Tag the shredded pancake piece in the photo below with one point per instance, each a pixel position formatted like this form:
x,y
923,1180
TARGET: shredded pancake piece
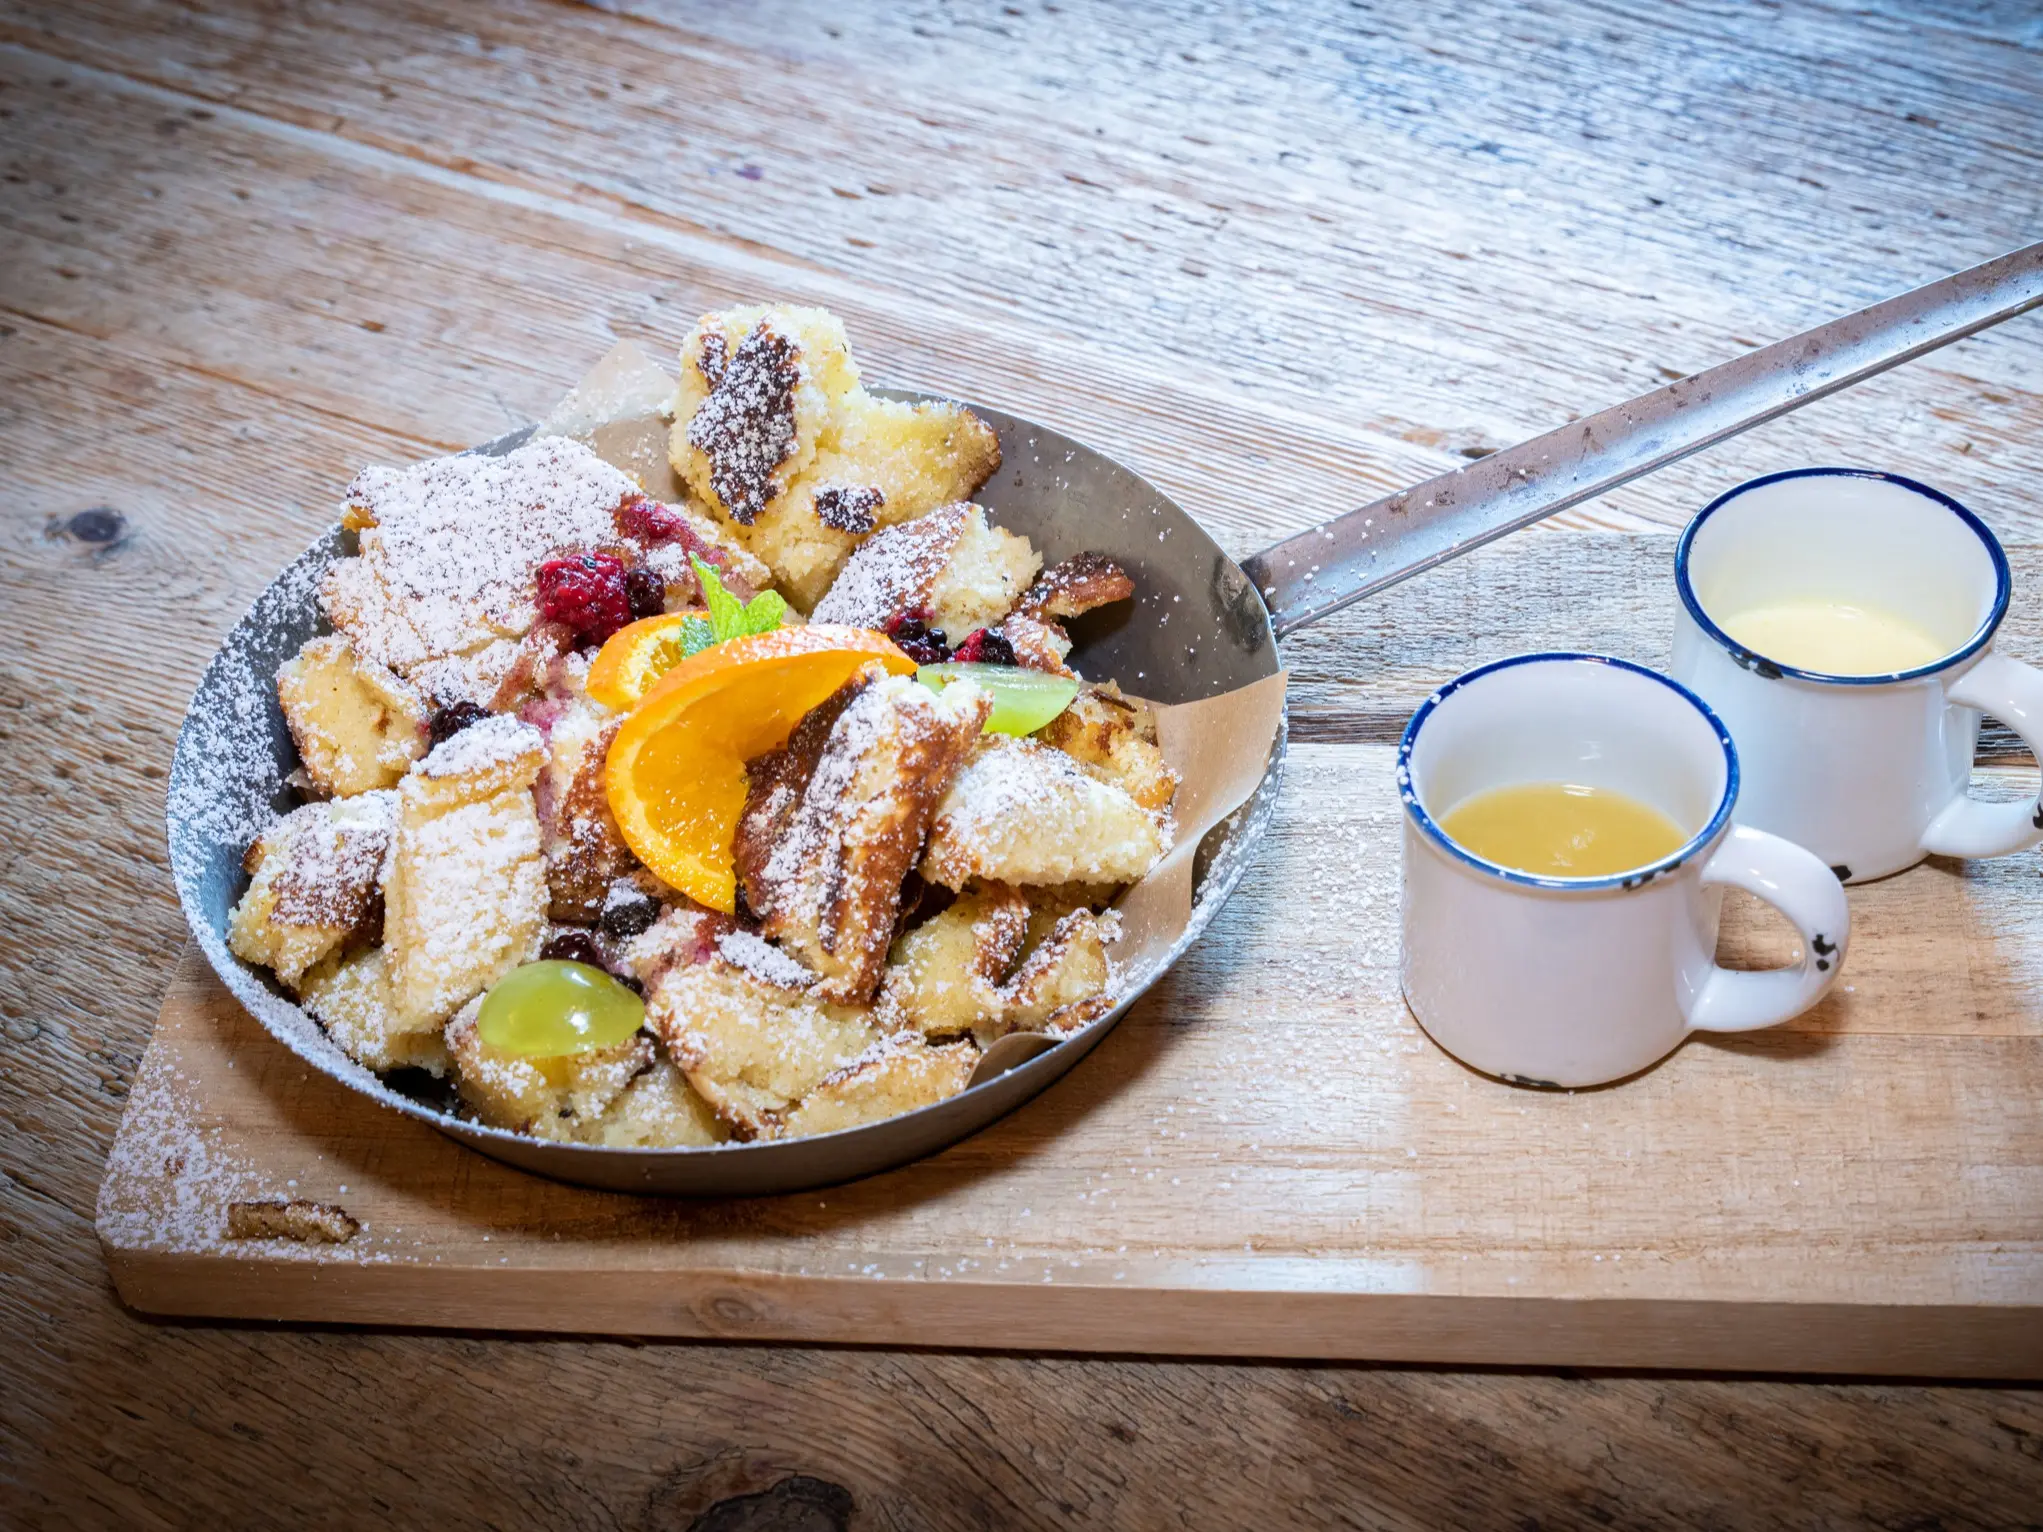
x,y
315,884
828,887
948,569
1021,812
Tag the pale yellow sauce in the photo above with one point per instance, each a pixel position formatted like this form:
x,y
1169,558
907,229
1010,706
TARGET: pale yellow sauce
x,y
1834,638
1562,829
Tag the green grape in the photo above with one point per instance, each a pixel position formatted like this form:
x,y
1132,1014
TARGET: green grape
x,y
1023,700
549,1009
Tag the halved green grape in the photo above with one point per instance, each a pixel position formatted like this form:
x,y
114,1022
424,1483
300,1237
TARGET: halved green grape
x,y
549,1009
1023,700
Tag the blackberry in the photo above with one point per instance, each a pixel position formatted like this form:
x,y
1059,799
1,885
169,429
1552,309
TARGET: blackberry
x,y
915,638
628,916
986,646
646,592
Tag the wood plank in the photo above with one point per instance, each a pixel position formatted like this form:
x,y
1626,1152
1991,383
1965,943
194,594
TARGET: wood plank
x,y
1456,236
1384,287
1267,1158
396,339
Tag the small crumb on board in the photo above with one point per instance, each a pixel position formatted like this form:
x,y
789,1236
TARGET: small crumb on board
x,y
311,1223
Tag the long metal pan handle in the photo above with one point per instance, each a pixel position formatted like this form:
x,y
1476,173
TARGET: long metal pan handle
x,y
1322,570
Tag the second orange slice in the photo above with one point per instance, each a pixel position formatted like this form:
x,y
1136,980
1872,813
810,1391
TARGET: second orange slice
x,y
676,771
635,657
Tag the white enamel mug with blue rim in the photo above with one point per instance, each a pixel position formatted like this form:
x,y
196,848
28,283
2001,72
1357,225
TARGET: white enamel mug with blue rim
x,y
1579,981
1872,773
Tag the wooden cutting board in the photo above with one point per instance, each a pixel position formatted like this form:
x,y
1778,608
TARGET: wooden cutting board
x,y
1267,1158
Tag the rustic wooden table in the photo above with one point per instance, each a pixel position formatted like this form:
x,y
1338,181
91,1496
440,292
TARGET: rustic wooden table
x,y
1275,259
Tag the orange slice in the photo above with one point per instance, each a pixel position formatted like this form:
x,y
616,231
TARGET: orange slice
x,y
636,656
676,771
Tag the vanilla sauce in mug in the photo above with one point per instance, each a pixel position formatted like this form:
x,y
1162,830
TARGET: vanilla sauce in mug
x,y
1834,638
1562,829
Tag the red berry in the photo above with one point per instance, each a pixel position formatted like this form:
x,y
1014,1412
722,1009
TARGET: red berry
x,y
985,646
585,593
646,520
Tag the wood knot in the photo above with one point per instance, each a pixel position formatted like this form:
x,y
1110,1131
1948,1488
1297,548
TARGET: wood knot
x,y
101,525
729,1311
796,1504
735,1491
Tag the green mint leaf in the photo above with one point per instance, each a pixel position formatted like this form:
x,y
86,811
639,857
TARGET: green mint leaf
x,y
764,611
696,636
726,612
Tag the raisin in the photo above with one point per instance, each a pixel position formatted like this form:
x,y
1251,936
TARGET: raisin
x,y
629,916
573,947
449,721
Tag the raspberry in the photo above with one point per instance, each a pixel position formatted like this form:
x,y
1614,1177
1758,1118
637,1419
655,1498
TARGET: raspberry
x,y
915,638
985,646
449,721
586,593
643,519
646,591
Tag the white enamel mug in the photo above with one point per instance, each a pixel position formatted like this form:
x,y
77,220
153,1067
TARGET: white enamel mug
x,y
1578,981
1872,773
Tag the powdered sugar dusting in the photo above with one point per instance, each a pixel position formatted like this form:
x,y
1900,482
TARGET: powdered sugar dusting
x,y
761,959
448,565
894,571
746,427
495,741
336,855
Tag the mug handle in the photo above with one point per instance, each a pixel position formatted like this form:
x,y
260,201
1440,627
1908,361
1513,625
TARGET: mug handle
x,y
2013,693
1797,884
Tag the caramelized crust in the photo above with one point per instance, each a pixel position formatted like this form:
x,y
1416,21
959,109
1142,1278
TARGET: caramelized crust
x,y
902,1075
948,569
584,852
776,783
957,973
316,884
943,978
1021,812
1076,586
828,887
1064,974
1114,739
777,436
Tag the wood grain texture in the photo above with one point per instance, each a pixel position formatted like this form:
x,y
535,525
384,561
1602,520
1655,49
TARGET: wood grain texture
x,y
1266,1158
1277,261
